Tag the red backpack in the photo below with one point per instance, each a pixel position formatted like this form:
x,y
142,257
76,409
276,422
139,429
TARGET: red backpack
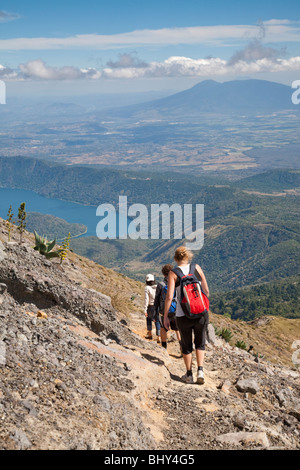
x,y
193,301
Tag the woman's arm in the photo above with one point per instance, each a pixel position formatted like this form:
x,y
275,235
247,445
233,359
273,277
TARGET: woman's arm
x,y
204,284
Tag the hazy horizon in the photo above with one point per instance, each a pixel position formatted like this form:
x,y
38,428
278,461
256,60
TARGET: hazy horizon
x,y
137,47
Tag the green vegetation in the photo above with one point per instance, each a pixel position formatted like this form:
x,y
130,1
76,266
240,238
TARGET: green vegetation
x,y
22,220
272,181
241,344
275,298
9,222
225,334
250,238
64,249
45,247
53,227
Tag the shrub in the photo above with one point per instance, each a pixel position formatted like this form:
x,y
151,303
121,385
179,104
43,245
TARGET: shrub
x,y
225,334
241,345
43,246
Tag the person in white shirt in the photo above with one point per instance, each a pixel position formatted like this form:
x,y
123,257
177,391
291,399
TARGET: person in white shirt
x,y
149,310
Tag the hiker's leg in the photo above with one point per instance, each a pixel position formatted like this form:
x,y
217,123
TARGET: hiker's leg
x,y
163,332
187,361
200,357
176,329
178,335
157,327
149,326
163,335
200,328
185,326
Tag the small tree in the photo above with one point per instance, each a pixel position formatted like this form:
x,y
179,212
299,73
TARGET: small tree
x,y
22,215
64,249
9,222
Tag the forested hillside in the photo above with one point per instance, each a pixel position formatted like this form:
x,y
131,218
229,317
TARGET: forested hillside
x,y
275,298
251,237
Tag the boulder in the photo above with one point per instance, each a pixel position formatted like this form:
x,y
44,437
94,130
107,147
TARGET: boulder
x,y
211,335
225,386
247,386
244,438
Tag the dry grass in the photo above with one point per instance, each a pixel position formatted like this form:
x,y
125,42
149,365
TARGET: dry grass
x,y
273,340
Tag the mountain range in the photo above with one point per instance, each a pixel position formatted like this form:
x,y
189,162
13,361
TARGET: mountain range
x,y
236,97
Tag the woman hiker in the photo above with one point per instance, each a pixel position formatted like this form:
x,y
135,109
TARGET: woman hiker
x,y
187,327
149,311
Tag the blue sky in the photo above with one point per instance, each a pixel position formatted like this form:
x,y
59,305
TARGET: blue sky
x,y
141,45
67,17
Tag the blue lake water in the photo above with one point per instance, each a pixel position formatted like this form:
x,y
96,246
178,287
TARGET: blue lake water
x,y
69,211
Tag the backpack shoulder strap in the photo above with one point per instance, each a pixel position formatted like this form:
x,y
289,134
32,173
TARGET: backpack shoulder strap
x,y
178,272
192,268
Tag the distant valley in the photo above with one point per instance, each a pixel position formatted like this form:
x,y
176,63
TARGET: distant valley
x,y
237,128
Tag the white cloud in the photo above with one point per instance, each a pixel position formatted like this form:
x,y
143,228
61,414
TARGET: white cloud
x,y
37,69
187,67
176,66
274,31
7,73
275,22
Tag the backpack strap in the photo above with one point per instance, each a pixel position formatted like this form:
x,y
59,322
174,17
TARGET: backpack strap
x,y
192,268
178,272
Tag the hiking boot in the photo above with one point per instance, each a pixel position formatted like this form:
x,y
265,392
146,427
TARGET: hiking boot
x,y
158,339
200,377
148,335
188,379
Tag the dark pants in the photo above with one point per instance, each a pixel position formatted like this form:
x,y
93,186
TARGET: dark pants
x,y
152,318
187,327
173,323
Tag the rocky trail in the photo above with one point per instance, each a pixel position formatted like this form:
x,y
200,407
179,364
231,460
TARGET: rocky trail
x,y
77,373
243,404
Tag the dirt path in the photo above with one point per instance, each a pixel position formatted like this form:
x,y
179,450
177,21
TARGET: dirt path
x,y
195,417
163,393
